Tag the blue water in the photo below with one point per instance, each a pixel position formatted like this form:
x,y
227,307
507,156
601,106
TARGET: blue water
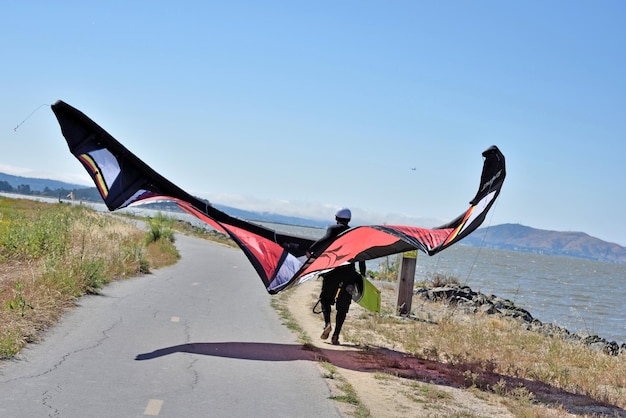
x,y
581,295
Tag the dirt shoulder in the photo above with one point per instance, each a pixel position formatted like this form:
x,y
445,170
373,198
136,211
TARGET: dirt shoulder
x,y
387,382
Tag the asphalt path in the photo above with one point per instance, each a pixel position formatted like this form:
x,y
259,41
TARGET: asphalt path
x,y
197,339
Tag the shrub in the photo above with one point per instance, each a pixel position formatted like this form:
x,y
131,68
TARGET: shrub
x,y
160,228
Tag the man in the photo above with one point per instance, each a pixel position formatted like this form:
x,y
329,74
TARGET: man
x,y
338,282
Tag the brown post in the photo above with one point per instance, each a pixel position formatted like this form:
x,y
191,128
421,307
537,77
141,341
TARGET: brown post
x,y
406,279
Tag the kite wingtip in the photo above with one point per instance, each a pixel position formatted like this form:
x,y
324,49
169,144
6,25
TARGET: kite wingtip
x,y
491,149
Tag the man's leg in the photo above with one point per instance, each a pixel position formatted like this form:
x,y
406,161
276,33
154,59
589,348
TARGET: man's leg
x,y
326,312
339,319
327,299
343,305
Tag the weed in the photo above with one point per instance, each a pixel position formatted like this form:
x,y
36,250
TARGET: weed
x,y
349,395
331,370
9,344
472,379
144,266
500,388
280,306
440,280
18,303
160,228
387,269
430,392
93,272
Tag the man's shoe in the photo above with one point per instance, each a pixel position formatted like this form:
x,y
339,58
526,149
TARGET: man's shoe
x,y
335,340
326,332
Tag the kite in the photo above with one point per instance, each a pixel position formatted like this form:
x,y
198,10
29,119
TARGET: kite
x,y
279,259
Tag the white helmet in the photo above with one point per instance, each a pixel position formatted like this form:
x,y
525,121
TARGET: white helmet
x,y
344,213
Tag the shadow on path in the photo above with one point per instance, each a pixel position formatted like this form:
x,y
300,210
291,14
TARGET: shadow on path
x,y
383,360
239,350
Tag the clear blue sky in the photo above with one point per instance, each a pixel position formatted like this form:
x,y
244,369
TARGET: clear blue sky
x,y
302,107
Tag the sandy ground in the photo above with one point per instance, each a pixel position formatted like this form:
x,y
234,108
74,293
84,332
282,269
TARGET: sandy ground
x,y
387,382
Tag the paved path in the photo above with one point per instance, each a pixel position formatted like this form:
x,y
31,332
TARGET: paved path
x,y
198,339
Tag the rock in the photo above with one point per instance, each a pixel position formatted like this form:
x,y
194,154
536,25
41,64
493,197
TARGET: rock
x,y
612,348
487,309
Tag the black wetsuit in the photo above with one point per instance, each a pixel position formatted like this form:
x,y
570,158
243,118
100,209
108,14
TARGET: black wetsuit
x,y
335,281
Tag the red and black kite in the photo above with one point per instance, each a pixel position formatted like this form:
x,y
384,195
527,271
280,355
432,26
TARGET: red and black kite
x,y
279,259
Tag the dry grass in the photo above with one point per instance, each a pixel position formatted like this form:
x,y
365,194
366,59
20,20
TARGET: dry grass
x,y
497,355
52,254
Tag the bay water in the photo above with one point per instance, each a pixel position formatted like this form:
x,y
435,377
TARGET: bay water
x,y
584,296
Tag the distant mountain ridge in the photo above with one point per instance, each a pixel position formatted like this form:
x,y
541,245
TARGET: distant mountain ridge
x,y
516,237
513,237
272,217
38,184
248,215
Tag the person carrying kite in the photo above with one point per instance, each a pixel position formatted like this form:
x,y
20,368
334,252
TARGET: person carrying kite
x,y
338,283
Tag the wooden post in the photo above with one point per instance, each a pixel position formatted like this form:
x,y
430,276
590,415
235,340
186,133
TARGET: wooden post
x,y
406,279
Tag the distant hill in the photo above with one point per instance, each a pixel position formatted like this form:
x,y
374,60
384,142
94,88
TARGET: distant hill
x,y
247,215
36,184
512,237
517,237
271,217
47,188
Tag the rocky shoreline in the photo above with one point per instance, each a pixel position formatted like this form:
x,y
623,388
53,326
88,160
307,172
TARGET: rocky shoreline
x,y
476,302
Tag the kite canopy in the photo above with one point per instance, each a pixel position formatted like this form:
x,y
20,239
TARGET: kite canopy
x,y
279,259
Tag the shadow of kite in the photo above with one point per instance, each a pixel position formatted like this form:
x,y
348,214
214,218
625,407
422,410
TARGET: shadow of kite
x,y
237,350
396,363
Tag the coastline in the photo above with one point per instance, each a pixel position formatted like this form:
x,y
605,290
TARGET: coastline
x,y
473,302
